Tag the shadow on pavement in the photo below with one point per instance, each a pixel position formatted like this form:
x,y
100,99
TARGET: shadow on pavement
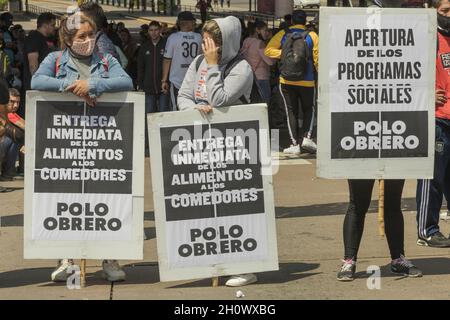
x,y
331,209
140,273
288,272
26,277
318,210
11,189
148,273
149,216
12,221
41,278
150,233
429,267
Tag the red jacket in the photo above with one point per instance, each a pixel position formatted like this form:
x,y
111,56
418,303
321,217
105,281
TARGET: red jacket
x,y
443,74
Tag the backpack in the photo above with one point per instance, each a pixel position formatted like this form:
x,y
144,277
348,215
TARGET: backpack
x,y
255,96
295,56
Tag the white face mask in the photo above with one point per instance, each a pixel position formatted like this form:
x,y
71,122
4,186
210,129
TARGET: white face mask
x,y
84,48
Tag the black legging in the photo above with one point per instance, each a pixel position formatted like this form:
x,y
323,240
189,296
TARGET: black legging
x,y
360,197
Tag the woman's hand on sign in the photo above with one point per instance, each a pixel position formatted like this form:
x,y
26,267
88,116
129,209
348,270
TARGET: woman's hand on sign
x,y
22,150
79,88
204,109
210,51
441,97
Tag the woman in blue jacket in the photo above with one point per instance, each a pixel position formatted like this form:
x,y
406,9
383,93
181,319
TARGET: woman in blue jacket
x,y
87,74
78,68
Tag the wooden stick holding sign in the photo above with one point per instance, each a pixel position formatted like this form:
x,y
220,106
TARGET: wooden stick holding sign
x,y
381,208
83,273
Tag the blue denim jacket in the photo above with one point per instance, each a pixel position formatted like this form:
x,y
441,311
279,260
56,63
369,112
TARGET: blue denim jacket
x,y
107,74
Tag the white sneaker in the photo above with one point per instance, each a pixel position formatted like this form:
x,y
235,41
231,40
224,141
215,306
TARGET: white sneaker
x,y
292,149
112,271
241,280
60,274
309,145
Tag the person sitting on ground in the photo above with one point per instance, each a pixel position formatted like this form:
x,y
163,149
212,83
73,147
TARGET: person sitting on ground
x,y
9,147
15,119
13,106
86,73
5,141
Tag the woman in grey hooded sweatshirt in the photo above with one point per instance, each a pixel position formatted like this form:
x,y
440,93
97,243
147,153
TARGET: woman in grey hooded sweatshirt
x,y
204,86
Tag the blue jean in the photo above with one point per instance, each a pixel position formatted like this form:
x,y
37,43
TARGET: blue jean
x,y
264,90
156,103
430,192
9,150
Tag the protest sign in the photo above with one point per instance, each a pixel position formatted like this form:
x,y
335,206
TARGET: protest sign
x,y
376,93
84,176
213,196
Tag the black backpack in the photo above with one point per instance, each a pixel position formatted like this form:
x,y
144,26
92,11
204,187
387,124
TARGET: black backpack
x,y
295,56
255,96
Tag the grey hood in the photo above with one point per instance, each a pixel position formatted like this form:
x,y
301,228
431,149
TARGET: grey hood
x,y
230,28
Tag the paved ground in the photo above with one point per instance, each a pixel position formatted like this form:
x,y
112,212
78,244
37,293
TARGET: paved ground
x,y
309,214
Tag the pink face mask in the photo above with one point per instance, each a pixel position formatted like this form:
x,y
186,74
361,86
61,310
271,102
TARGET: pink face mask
x,y
84,48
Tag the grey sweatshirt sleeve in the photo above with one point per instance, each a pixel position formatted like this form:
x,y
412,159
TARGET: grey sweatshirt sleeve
x,y
227,92
186,95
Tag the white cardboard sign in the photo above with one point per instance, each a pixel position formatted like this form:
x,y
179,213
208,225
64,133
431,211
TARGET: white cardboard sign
x,y
212,190
376,93
84,186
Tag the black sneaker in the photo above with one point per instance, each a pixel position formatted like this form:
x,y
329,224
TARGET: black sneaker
x,y
347,272
436,240
404,267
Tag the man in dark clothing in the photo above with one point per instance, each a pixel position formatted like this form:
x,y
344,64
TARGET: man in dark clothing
x,y
150,61
430,192
36,48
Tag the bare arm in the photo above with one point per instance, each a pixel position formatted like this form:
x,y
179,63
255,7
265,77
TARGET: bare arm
x,y
166,69
33,62
165,75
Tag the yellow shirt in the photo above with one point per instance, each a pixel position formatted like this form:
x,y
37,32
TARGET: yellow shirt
x,y
273,50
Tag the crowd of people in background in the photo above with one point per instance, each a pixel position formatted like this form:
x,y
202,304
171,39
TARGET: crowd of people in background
x,y
156,58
